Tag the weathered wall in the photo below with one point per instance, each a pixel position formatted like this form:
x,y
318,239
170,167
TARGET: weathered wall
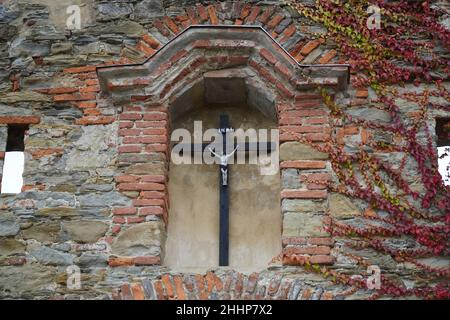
x,y
86,176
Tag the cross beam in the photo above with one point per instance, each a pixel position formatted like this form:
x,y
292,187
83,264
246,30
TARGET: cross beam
x,y
225,129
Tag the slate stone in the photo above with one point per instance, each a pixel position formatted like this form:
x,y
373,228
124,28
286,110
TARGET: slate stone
x,y
92,260
10,247
28,48
148,9
298,224
342,206
48,256
9,224
43,232
300,151
144,239
112,11
108,199
85,231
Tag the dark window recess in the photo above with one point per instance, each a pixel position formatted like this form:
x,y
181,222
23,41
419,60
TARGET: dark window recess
x,y
443,132
16,137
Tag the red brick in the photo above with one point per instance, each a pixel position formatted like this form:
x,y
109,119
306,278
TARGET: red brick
x,y
87,75
289,31
320,120
245,11
311,250
239,285
305,113
318,137
120,261
285,91
140,98
303,164
135,219
74,97
321,241
266,14
159,290
19,119
178,281
152,210
161,28
86,104
80,69
148,202
152,195
129,149
129,132
212,15
155,131
321,259
124,210
171,25
327,56
152,42
285,71
90,89
130,116
202,12
153,178
253,15
156,147
94,120
177,56
303,194
286,120
274,285
297,128
115,229
168,285
200,283
92,82
310,46
294,241
307,104
40,153
275,21
155,116
192,15
311,177
266,54
119,220
91,112
151,124
137,291
362,93
146,260
146,49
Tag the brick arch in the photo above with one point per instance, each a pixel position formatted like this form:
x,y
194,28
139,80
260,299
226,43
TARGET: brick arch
x,y
143,92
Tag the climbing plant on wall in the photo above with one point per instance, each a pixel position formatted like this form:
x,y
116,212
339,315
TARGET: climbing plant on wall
x,y
401,52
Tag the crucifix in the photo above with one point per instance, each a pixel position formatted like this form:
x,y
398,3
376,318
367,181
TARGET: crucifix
x,y
224,176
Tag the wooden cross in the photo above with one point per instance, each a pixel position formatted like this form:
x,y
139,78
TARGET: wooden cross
x,y
224,176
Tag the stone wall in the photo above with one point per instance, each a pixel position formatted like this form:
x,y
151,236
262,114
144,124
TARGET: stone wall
x,y
98,101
